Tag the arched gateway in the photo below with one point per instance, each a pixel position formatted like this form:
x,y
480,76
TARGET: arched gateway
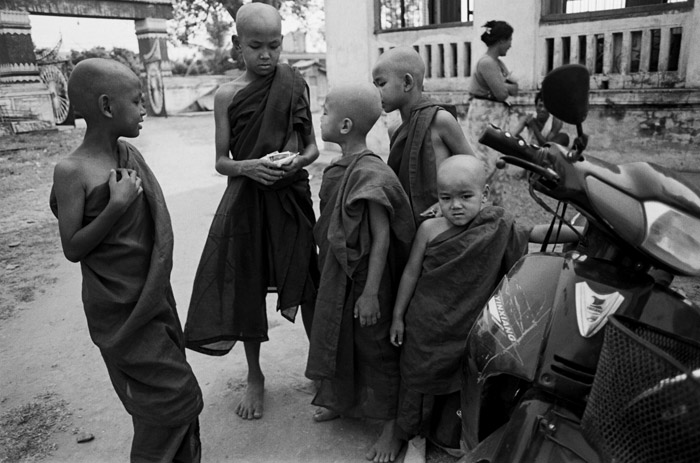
x,y
25,100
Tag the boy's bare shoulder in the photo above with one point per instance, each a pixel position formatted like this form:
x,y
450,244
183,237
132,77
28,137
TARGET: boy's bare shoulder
x,y
228,90
445,122
69,166
430,228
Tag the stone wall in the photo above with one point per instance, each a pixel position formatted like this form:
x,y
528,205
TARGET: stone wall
x,y
182,93
622,126
25,107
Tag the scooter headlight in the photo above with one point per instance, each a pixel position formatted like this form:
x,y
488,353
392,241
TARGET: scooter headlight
x,y
673,237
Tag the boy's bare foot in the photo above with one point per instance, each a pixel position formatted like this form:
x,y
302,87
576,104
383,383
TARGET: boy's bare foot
x,y
388,446
324,414
415,450
251,405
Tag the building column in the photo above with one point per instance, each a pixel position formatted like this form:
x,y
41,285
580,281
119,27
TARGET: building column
x,y
17,59
152,35
692,72
25,102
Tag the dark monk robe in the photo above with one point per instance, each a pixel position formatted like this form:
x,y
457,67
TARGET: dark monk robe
x,y
461,268
412,157
261,236
131,312
358,367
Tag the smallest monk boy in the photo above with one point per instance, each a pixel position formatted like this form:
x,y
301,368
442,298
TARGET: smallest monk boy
x,y
364,233
112,218
455,263
428,134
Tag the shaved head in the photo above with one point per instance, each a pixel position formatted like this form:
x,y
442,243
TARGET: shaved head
x,y
258,17
94,77
462,167
358,102
403,60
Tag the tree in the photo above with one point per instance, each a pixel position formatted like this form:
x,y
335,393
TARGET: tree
x,y
191,15
124,56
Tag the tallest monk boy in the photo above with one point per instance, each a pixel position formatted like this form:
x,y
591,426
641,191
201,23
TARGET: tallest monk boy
x,y
261,238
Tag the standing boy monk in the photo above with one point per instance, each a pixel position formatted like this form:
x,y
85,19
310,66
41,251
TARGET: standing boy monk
x,y
455,263
113,220
364,233
261,238
427,135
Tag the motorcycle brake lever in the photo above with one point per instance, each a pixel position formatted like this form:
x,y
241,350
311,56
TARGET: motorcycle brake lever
x,y
545,172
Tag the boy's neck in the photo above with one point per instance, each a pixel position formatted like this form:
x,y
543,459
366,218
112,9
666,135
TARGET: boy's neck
x,y
99,141
411,101
250,76
352,145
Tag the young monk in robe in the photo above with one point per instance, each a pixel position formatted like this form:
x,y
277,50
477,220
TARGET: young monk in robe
x,y
112,219
428,134
455,263
364,234
261,238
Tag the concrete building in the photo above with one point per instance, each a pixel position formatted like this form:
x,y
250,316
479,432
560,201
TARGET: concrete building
x,y
644,55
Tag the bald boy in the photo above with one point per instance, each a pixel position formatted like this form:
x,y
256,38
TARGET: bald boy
x,y
455,263
363,233
112,218
261,238
427,135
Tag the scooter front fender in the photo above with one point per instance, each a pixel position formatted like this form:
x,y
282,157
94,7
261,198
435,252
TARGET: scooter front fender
x,y
540,430
507,338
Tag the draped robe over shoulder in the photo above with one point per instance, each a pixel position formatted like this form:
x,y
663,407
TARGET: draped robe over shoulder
x,y
412,157
130,307
461,268
357,366
261,236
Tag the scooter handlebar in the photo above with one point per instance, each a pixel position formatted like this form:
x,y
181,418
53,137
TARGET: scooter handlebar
x,y
518,152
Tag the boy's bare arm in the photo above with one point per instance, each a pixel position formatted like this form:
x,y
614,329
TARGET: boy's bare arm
x,y
522,123
409,279
306,157
566,234
261,170
367,305
451,137
78,241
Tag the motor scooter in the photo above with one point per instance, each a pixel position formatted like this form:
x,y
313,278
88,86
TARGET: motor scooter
x,y
588,355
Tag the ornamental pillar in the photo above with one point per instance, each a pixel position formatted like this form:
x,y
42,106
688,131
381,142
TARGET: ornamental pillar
x,y
17,59
25,102
152,35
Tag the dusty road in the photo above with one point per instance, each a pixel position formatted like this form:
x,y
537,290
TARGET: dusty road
x,y
46,347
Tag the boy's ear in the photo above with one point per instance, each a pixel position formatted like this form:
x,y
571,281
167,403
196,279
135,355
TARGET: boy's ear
x,y
485,194
346,126
408,82
104,105
236,42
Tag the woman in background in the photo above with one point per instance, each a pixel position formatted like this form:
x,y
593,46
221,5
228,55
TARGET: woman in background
x,y
489,89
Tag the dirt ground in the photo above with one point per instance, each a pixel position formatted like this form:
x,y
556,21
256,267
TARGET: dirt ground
x,y
54,390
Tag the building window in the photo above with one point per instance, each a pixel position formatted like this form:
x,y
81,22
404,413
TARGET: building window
x,y
401,14
582,46
585,6
655,49
565,50
635,51
674,51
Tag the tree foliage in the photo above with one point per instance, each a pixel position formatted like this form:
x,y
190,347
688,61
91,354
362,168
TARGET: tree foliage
x,y
123,55
191,15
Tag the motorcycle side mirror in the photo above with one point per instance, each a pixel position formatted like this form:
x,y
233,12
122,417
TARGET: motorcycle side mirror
x,y
565,93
